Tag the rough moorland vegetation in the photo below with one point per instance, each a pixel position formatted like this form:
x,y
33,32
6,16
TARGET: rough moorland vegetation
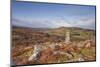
x,y
42,46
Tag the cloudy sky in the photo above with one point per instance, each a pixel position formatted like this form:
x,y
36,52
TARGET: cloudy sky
x,y
45,15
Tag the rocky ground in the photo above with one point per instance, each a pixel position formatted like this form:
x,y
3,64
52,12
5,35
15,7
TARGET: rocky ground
x,y
32,46
56,53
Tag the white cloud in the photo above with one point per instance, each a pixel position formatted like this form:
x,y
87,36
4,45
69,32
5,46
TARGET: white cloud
x,y
86,23
50,23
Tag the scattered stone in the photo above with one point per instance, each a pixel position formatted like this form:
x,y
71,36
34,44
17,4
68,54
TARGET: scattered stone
x,y
36,54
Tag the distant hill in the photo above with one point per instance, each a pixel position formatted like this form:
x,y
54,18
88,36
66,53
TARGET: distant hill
x,y
60,28
75,32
